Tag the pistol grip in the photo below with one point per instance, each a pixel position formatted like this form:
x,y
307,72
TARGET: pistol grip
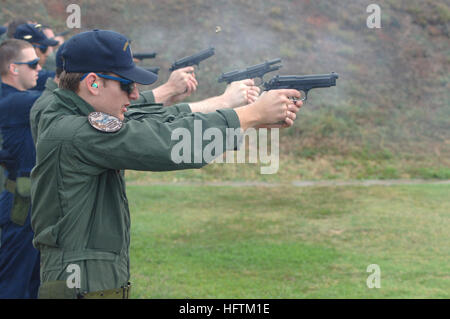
x,y
260,82
303,96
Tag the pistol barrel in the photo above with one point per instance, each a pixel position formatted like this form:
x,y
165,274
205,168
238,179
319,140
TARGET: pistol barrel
x,y
254,71
302,83
142,56
194,59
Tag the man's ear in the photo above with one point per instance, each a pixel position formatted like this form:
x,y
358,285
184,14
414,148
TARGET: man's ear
x,y
13,69
91,82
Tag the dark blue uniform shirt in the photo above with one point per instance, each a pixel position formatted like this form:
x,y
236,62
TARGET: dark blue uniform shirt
x,y
15,109
19,260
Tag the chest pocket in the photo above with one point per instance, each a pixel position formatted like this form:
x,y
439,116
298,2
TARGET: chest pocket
x,y
22,200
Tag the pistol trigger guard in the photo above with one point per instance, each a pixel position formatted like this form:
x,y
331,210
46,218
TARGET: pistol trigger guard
x,y
304,96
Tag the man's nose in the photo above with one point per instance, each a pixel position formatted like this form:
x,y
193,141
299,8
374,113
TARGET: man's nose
x,y
134,95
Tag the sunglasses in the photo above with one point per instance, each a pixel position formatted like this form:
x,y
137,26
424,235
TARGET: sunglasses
x,y
125,85
32,64
43,48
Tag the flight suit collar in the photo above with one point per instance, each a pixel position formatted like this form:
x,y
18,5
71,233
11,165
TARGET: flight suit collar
x,y
73,102
51,85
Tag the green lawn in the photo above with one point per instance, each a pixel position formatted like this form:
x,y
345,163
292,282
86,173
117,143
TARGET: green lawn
x,y
292,168
287,242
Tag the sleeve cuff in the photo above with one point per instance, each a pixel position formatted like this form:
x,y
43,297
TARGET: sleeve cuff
x,y
181,108
233,122
147,96
231,117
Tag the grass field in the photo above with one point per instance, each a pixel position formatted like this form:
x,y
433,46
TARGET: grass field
x,y
287,242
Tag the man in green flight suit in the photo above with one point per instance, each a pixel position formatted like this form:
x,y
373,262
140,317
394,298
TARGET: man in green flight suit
x,y
80,210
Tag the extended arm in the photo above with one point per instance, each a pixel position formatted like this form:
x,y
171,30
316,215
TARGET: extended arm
x,y
237,94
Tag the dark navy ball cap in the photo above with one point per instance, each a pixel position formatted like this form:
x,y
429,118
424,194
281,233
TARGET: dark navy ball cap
x,y
58,56
103,51
3,29
33,33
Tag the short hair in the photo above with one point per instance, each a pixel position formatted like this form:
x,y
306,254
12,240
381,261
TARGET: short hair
x,y
59,71
70,81
10,51
12,26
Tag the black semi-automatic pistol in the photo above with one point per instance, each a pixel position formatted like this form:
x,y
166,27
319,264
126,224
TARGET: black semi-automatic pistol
x,y
142,56
255,71
194,59
302,83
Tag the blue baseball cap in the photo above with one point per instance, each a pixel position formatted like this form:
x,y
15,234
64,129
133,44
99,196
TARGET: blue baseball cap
x,y
103,51
58,56
33,33
3,29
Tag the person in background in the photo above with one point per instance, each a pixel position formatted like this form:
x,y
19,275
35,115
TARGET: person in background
x,y
49,33
4,155
13,24
3,30
33,34
19,260
50,64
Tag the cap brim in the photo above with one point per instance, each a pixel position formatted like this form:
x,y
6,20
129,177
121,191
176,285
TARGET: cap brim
x,y
138,75
49,42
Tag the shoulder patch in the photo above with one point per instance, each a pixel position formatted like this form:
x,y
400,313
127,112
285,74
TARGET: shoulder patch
x,y
104,122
